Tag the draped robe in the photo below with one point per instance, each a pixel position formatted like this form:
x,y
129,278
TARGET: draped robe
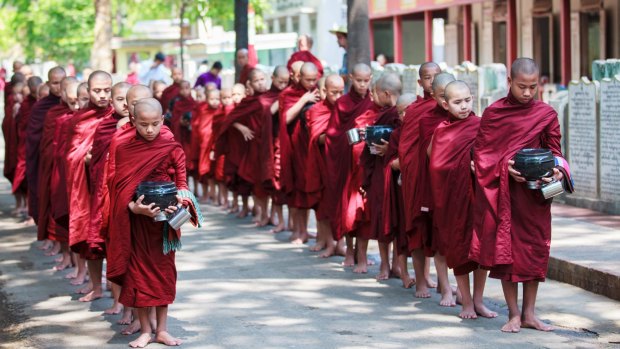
x,y
318,117
202,133
393,206
452,187
305,56
21,123
512,224
182,133
169,93
8,131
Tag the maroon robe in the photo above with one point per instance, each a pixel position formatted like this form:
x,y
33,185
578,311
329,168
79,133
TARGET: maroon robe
x,y
58,186
8,131
84,125
34,131
452,187
181,132
244,75
374,179
21,123
512,224
408,155
305,56
393,205
338,155
202,133
318,117
169,93
47,227
294,144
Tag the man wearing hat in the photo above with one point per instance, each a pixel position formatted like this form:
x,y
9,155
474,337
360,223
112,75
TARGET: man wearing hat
x,y
157,71
341,36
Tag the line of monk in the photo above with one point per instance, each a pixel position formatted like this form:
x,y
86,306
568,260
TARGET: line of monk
x,y
441,187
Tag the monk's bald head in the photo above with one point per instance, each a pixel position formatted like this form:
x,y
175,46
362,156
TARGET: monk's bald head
x,y
83,96
308,68
100,88
257,81
456,88
439,86
334,88
309,76
148,118
33,84
391,83
429,68
120,88
70,93
43,91
54,77
458,100
58,70
360,78
524,66
403,102
280,77
427,73
296,71
242,57
361,68
99,76
176,74
213,98
135,94
148,105
18,77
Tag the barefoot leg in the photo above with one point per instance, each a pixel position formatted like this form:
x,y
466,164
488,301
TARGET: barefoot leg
x,y
278,213
408,282
468,311
66,257
529,318
442,274
301,226
54,250
384,268
421,287
362,257
349,256
134,326
117,307
427,273
321,238
511,294
95,270
46,245
330,244
145,330
480,278
81,270
162,336
127,316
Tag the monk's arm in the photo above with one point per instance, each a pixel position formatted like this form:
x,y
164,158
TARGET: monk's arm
x,y
322,139
275,107
293,112
430,147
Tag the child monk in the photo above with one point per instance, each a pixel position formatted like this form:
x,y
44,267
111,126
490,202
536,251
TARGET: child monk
x,y
172,91
450,162
512,224
219,160
225,146
207,112
181,108
338,152
150,275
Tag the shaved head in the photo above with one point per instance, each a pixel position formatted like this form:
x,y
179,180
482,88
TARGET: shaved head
x,y
296,71
390,82
431,67
254,73
148,105
99,75
148,118
58,70
361,68
523,66
33,84
54,77
442,79
70,93
308,68
405,100
135,94
454,87
333,80
120,86
280,71
334,88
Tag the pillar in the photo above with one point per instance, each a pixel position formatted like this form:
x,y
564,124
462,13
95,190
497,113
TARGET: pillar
x,y
467,33
397,24
565,44
511,33
428,35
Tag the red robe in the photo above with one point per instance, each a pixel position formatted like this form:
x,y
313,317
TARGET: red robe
x,y
452,187
21,123
294,144
305,56
168,95
8,127
58,186
135,250
202,131
96,170
318,117
34,131
182,133
374,168
274,188
512,224
47,227
84,125
338,152
244,75
393,205
408,155
216,145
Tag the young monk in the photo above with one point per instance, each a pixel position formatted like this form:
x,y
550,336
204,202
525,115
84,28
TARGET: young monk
x,y
182,107
279,81
158,88
79,156
387,90
8,125
99,152
172,91
393,207
34,131
318,117
338,152
450,162
43,91
512,224
150,275
219,160
408,156
202,132
83,96
294,142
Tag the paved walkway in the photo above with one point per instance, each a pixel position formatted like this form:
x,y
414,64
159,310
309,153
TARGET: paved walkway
x,y
242,287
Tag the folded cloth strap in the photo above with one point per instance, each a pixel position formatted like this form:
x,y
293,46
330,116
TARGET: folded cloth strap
x,y
564,167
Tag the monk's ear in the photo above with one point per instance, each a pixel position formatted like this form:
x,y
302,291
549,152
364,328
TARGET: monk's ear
x,y
509,81
444,104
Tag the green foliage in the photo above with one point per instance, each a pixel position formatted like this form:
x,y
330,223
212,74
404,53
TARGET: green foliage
x,y
59,30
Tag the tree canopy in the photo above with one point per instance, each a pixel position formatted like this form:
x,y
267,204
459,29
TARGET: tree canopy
x,y
62,30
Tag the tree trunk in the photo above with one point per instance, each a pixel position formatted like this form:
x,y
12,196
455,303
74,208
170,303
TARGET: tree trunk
x,y
358,37
101,55
181,38
241,30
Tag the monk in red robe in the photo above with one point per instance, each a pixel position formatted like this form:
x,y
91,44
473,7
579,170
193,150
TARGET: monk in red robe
x,y
34,131
205,112
408,156
304,45
217,164
83,96
512,223
393,207
338,152
13,89
182,107
294,143
43,91
158,88
47,227
243,63
386,92
79,155
20,187
149,275
450,162
172,91
318,117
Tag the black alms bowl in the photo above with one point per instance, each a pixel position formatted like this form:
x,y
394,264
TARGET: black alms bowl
x,y
163,194
374,134
534,164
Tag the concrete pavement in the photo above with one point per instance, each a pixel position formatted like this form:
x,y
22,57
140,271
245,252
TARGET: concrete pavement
x,y
242,287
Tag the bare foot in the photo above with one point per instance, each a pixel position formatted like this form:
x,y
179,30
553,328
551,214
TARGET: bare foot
x,y
59,259
71,275
132,328
91,296
293,237
468,313
513,325
384,272
78,281
361,268
349,259
64,264
279,228
341,250
318,246
54,251
408,283
46,245
126,318
483,311
329,251
535,323
422,292
165,338
84,290
430,283
298,241
116,308
142,341
242,214
447,300
263,222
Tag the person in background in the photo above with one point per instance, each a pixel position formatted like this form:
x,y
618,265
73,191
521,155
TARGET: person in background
x,y
212,75
157,71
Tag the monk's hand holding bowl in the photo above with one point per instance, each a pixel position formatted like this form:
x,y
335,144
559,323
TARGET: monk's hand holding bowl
x,y
381,149
137,207
516,175
557,176
172,209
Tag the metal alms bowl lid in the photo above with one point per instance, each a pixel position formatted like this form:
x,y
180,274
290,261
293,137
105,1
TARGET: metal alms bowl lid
x,y
157,188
